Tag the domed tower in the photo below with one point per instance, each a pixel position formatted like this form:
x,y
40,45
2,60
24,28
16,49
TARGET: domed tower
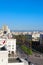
x,y
5,29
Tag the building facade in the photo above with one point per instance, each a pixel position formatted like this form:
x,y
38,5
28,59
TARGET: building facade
x,y
41,38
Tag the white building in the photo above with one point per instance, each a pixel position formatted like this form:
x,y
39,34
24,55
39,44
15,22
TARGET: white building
x,y
35,36
11,45
4,57
7,46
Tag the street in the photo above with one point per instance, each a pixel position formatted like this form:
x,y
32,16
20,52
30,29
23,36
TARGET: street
x,y
35,58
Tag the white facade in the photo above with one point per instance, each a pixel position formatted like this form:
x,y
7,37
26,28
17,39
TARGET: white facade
x,y
11,45
35,36
3,57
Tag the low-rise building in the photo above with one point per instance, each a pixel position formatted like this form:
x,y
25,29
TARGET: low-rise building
x,y
35,36
41,38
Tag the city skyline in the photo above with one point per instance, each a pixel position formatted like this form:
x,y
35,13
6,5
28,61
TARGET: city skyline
x,y
22,15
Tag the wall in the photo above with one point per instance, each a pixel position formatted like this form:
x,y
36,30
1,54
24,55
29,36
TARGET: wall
x,y
3,57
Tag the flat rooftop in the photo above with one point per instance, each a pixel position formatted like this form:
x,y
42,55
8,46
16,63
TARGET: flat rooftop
x,y
14,60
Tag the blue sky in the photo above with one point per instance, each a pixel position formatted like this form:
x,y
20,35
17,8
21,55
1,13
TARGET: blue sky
x,y
22,14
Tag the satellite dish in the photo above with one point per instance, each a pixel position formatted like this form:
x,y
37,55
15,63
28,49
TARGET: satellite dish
x,y
2,42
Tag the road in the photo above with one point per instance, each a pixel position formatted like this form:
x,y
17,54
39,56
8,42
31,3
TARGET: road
x,y
35,58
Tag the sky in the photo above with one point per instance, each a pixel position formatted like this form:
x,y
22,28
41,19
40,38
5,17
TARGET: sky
x,y
22,14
